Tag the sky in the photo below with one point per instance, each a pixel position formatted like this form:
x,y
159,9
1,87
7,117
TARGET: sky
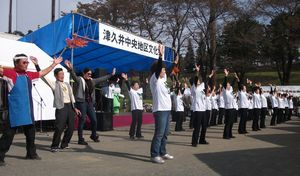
x,y
28,14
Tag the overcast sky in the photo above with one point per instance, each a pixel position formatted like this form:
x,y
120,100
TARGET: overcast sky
x,y
28,14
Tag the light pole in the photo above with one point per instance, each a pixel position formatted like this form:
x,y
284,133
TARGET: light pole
x,y
10,17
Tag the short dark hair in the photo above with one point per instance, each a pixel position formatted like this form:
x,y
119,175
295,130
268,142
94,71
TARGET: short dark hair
x,y
57,70
19,55
86,70
133,83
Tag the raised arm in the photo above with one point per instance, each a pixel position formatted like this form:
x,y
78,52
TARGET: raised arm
x,y
126,80
56,61
104,78
70,69
226,72
159,63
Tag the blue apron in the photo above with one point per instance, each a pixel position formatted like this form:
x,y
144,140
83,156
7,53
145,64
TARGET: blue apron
x,y
20,102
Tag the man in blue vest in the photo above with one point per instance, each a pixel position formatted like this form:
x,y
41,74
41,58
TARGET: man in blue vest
x,y
20,104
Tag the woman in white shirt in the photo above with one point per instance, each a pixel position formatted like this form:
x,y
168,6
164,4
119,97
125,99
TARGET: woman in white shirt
x,y
161,100
199,107
264,109
256,108
291,107
221,104
136,99
179,108
281,107
274,103
229,106
214,100
243,104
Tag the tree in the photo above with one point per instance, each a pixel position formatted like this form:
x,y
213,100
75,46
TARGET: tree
x,y
282,37
189,59
241,42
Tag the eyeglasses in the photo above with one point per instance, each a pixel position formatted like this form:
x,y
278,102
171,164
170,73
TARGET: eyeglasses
x,y
90,74
25,62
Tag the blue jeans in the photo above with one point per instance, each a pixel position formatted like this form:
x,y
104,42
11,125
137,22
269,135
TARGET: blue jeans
x,y
86,109
159,141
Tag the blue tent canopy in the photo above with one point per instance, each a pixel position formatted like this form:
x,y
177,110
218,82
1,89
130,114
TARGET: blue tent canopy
x,y
52,39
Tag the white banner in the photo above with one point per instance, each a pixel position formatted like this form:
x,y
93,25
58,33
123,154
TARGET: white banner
x,y
293,90
116,38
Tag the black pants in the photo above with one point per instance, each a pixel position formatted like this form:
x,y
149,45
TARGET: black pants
x,y
179,119
250,114
200,122
191,125
229,119
274,116
213,120
8,136
290,114
256,114
243,120
263,114
208,114
64,120
136,123
286,114
221,115
280,115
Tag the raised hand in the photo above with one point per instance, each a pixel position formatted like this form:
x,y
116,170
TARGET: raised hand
x,y
212,73
34,60
147,81
124,76
58,60
113,71
68,64
197,67
226,72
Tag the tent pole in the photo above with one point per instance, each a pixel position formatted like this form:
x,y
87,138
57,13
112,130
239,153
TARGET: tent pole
x,y
72,49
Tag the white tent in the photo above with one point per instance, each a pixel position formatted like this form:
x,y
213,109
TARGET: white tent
x,y
8,49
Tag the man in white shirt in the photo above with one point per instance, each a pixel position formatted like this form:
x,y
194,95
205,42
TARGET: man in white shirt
x,y
243,104
274,103
264,109
257,108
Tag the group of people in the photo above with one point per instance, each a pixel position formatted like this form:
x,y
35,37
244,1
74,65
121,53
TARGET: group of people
x,y
208,104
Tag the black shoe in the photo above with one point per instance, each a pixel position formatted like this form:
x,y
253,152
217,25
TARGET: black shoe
x,y
226,138
182,129
203,142
82,142
95,139
194,145
54,149
254,129
232,136
258,129
132,138
2,163
33,157
140,137
64,146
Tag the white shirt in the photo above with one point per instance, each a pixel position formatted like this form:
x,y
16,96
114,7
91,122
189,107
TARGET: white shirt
x,y
109,91
250,103
286,103
243,99
221,101
274,101
136,99
228,98
179,104
235,104
160,94
264,102
187,92
256,101
199,97
208,103
281,104
214,102
291,104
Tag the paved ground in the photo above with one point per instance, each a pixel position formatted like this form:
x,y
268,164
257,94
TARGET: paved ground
x,y
272,151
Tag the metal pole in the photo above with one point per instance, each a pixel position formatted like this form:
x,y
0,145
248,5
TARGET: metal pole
x,y
10,17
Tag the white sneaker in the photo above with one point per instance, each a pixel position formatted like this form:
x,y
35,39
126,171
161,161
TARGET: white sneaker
x,y
168,157
158,160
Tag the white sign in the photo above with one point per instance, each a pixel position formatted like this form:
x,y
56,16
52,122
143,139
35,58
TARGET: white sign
x,y
116,38
293,90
